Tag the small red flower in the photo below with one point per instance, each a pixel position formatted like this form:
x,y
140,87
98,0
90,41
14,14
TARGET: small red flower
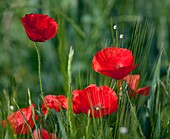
x,y
99,101
133,81
144,90
54,102
39,27
76,101
114,62
18,119
43,134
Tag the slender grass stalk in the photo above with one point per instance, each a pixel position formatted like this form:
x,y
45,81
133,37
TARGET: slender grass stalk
x,y
73,24
69,72
154,100
8,132
33,110
119,92
168,77
101,127
62,129
95,127
39,68
117,38
155,81
88,125
14,90
62,51
122,112
112,28
158,124
135,116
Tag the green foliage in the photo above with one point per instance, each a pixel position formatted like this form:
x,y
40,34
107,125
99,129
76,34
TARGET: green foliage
x,y
87,26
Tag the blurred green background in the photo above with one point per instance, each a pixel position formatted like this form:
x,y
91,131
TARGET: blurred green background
x,y
87,25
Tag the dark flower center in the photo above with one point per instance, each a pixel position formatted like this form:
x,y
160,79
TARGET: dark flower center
x,y
98,107
116,67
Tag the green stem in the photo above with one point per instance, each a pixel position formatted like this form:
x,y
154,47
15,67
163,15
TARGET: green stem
x,y
119,92
69,72
88,125
138,125
117,38
39,68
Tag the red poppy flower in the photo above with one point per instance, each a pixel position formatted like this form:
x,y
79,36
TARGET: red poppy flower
x,y
18,120
133,81
99,101
114,62
39,27
76,101
54,102
43,134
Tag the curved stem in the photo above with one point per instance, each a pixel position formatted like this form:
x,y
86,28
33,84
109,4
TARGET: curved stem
x,y
39,68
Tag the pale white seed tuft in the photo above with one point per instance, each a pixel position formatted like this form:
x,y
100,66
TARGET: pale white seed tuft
x,y
115,27
121,36
11,107
123,130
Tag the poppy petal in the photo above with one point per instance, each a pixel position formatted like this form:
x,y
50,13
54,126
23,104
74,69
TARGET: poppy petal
x,y
144,90
43,134
132,81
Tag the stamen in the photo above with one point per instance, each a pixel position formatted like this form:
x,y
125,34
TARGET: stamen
x,y
117,67
97,108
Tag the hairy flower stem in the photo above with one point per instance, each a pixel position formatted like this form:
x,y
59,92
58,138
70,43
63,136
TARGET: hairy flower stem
x,y
39,68
119,88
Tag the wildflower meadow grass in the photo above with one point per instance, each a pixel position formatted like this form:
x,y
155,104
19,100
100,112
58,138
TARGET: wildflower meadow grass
x,y
96,76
